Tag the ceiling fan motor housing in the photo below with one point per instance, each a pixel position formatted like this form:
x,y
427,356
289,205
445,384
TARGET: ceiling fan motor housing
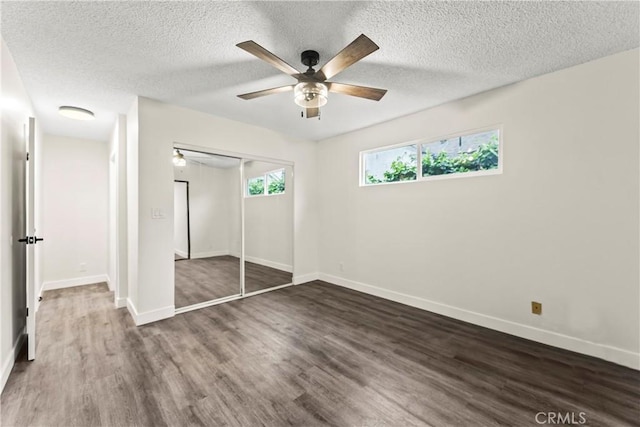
x,y
310,58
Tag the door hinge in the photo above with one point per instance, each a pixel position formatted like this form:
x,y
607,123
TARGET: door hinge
x,y
27,157
27,311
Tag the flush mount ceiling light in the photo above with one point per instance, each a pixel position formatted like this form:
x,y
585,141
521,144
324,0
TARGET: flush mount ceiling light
x,y
76,113
178,159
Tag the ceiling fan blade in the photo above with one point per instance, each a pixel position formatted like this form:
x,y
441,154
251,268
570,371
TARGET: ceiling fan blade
x,y
262,53
265,92
313,112
359,91
354,52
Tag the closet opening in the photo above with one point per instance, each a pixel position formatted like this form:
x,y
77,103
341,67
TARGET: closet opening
x,y
233,227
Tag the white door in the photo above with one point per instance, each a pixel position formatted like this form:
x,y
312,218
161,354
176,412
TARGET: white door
x,y
31,240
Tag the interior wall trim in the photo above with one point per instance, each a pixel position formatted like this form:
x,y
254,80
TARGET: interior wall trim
x,y
120,302
602,351
10,361
183,254
267,263
227,153
150,316
76,281
210,303
209,254
304,278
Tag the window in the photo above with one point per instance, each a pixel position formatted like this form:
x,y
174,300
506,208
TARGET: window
x,y
255,186
275,182
462,154
391,165
267,184
470,154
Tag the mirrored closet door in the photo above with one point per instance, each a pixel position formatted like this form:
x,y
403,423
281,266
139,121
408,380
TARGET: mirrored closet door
x,y
268,225
207,227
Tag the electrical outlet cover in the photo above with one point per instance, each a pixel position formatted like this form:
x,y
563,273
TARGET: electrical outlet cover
x,y
536,307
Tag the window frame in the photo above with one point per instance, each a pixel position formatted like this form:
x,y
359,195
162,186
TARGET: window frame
x,y
420,142
264,183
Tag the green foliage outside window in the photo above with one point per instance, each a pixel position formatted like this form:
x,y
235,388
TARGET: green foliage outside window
x,y
276,183
485,157
256,186
402,169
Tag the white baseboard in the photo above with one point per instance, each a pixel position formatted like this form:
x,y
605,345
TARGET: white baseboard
x,y
181,253
578,345
150,316
208,254
77,281
271,264
10,361
120,302
304,278
109,283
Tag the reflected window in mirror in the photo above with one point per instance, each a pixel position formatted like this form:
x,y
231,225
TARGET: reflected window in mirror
x,y
270,183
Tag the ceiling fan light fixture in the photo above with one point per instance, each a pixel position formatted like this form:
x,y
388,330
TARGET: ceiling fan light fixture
x,y
178,159
76,113
310,95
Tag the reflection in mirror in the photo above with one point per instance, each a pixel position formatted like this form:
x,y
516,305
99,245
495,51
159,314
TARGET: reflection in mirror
x,y
181,233
268,225
207,201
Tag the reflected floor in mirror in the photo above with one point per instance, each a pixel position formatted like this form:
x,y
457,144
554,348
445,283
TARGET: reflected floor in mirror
x,y
205,279
258,277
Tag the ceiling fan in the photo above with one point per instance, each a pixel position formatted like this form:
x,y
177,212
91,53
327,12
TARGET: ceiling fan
x,y
312,88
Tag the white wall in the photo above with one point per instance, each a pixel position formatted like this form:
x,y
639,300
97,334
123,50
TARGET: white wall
x,y
180,219
118,211
162,125
269,221
132,206
559,226
112,232
76,190
15,109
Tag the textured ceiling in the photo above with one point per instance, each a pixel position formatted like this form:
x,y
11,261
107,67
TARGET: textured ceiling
x,y
99,55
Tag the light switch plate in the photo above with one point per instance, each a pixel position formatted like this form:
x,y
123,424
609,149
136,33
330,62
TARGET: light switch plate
x,y
157,213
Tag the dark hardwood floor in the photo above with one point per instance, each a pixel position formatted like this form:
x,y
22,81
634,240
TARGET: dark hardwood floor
x,y
205,279
308,355
258,277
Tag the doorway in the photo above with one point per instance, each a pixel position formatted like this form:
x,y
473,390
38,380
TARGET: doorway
x,y
181,226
